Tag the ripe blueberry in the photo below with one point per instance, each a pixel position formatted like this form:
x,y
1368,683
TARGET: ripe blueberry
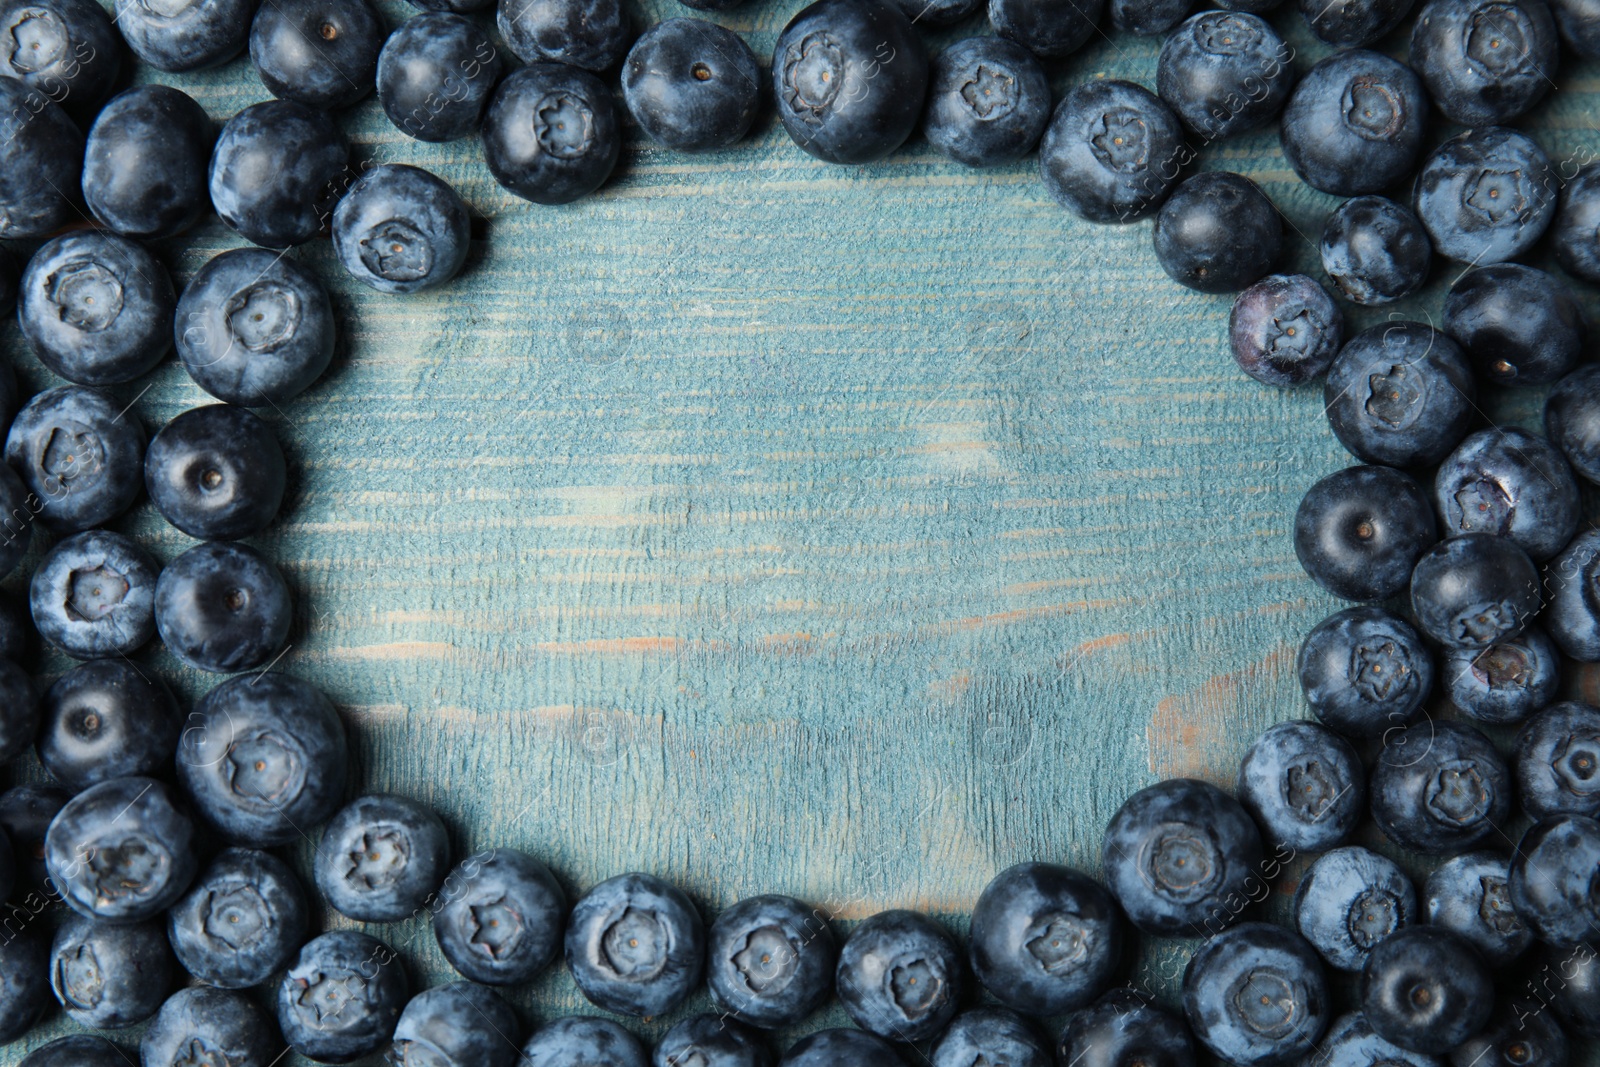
x,y
1111,152
1486,195
1511,484
1045,939
635,945
121,850
79,453
1440,788
1474,591
1349,901
1285,330
500,917
241,920
1506,682
107,719
94,595
579,1040
459,1023
1304,786
110,975
223,607
1217,233
1375,251
692,85
144,167
1359,532
770,960
321,53
1471,895
1518,325
1426,989
274,166
435,74
900,976
382,858
342,997
401,229
1256,995
551,134
200,1022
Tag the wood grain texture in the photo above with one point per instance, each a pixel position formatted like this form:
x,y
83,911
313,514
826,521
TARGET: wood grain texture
x,y
776,527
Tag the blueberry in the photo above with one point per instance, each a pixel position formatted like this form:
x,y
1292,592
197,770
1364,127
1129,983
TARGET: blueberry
x,y
1354,123
78,1050
1573,615
1351,1042
1121,1029
17,509
435,74
1050,29
144,167
1474,591
241,921
263,758
900,976
1426,989
1399,394
838,1048
1148,18
456,1025
184,35
849,78
579,1041
1353,23
321,53
990,1035
78,452
107,719
223,607
1045,939
94,595
1177,853
401,229
1578,22
1349,901
1225,72
1256,995
1572,420
1439,788
710,1040
770,960
1575,233
110,975
254,328
1485,62
121,851
460,7
382,858
635,945
41,163
1364,670
1471,895
67,50
1375,251
551,133
1304,786
19,712
930,14
1508,483
988,101
202,1025
1519,1034
25,993
1112,151
272,170
692,85
1558,762
590,34
1285,330
25,815
499,917
1486,195
1506,682
1217,233
1518,325
216,473
1359,532
1552,882
1573,977
342,997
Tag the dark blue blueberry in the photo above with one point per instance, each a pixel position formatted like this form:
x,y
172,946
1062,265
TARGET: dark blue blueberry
x,y
274,166
1471,895
1572,975
67,50
1508,483
26,812
1351,1042
990,1035
1557,762
263,758
1486,195
1426,989
1045,939
1359,532
216,473
1485,62
254,328
342,997
107,719
183,35
1519,1034
499,917
435,74
581,1040
1350,900
1285,330
241,921
1572,585
321,53
96,308
223,607
19,712
692,85
1474,591
710,1040
456,1025
1112,151
17,508
94,595
110,975
1364,670
838,1048
401,229
1177,854
1353,23
1256,995
900,976
1124,1028
145,163
1355,123
1506,682
382,858
591,34
1518,325
1572,420
1050,29
1217,233
78,1050
200,1025
1149,17
849,78
770,960
1304,786
635,945
551,134
1399,394
1575,233
988,101
41,163
929,14
25,993
1439,788
1225,72
1375,251
121,851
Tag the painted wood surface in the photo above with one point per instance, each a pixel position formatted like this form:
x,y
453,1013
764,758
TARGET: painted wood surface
x,y
771,526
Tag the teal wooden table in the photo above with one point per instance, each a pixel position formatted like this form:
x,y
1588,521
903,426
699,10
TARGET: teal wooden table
x,y
779,527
